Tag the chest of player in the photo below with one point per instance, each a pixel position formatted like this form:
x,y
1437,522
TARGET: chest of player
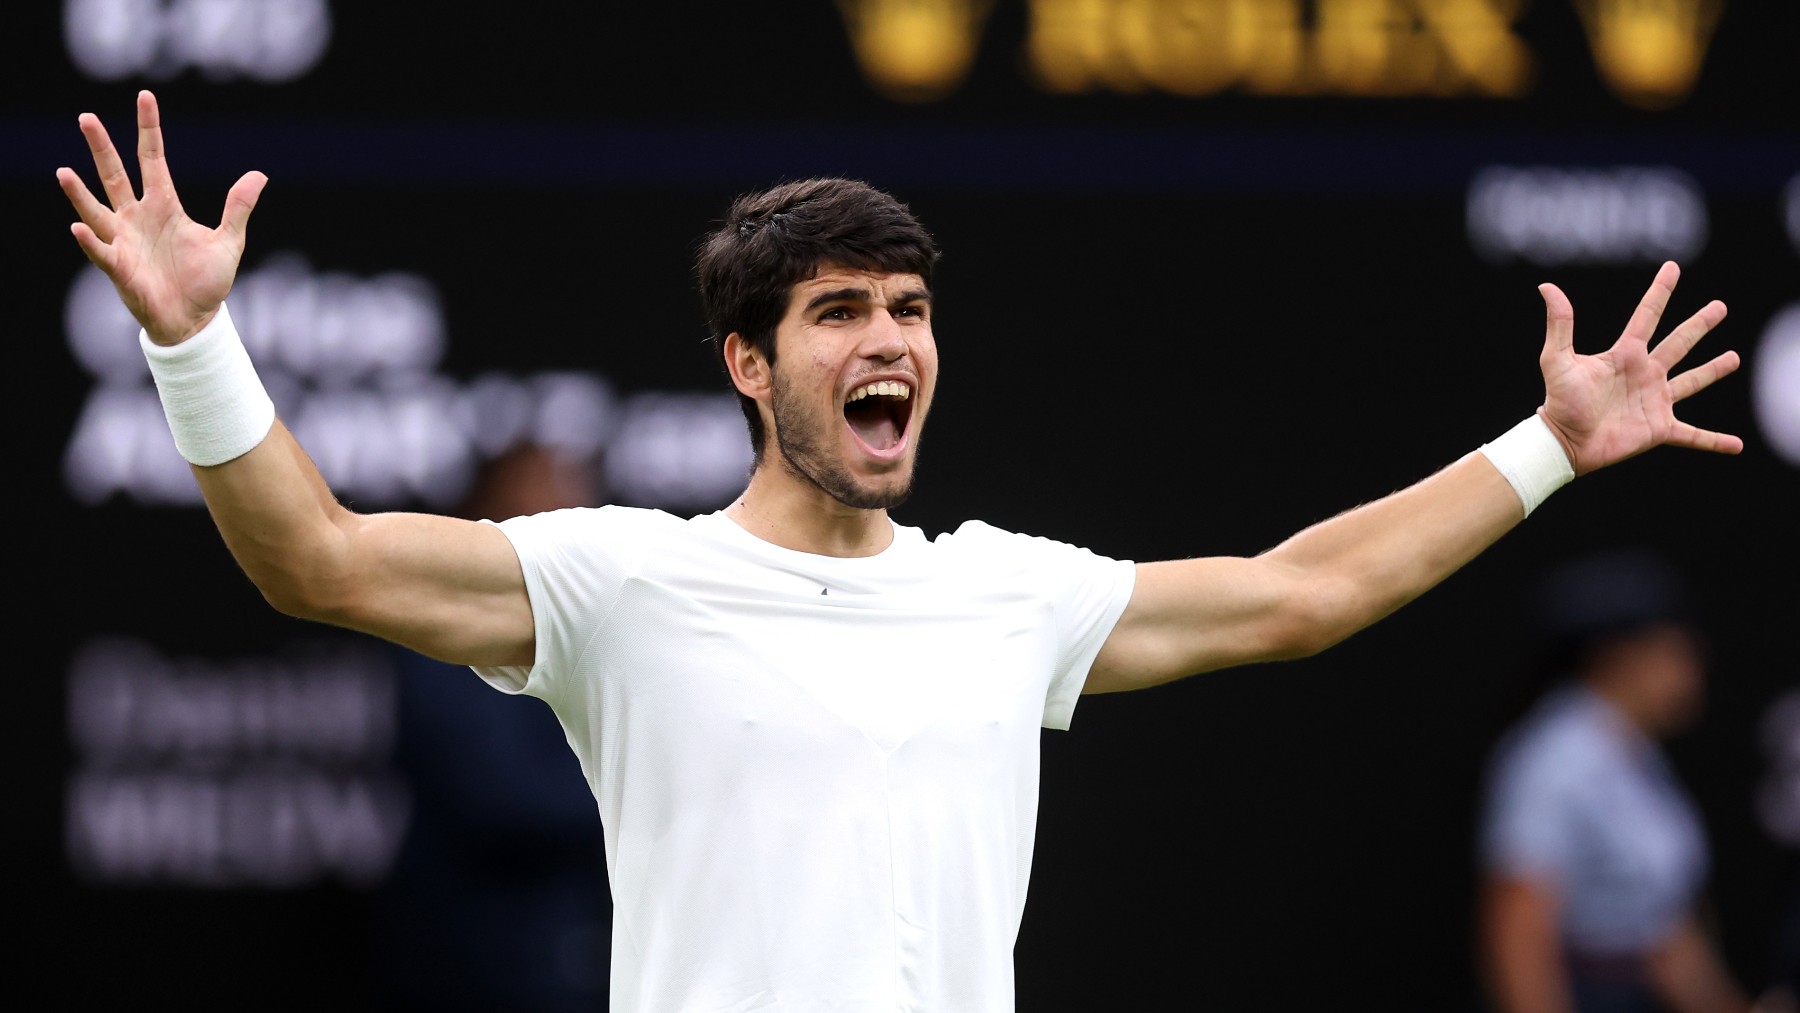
x,y
812,661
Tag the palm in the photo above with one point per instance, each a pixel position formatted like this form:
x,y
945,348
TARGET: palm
x,y
167,265
1621,402
171,271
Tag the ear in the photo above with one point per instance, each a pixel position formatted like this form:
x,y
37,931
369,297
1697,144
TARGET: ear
x,y
750,372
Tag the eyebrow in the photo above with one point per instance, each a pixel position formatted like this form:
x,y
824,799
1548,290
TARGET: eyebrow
x,y
854,294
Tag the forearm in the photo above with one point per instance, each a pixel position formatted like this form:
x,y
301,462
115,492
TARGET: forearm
x,y
279,518
1522,954
1331,579
1365,563
1530,979
1530,982
1692,979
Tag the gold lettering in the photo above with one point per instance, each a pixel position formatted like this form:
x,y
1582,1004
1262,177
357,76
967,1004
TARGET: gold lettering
x,y
1187,47
1420,47
915,50
1353,47
1649,52
1133,28
1070,47
1199,47
1270,47
1477,38
1353,43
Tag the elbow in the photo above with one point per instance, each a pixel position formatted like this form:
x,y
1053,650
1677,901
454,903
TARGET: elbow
x,y
294,598
303,578
1304,643
1290,637
1319,616
313,604
304,589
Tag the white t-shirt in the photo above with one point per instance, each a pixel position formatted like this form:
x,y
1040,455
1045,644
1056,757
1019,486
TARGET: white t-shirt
x,y
818,776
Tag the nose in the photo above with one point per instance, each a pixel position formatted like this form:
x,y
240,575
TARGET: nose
x,y
883,339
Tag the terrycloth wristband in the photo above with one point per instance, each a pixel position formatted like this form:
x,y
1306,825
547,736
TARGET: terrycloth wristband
x,y
1532,460
214,401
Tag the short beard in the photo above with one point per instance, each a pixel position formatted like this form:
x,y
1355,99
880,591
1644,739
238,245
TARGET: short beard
x,y
801,456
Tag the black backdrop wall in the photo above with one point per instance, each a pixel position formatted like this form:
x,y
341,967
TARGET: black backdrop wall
x,y
1184,310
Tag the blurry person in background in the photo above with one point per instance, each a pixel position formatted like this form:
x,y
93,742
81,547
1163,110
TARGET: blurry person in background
x,y
1594,857
498,898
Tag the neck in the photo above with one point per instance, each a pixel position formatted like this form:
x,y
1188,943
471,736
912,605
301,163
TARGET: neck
x,y
1639,711
793,513
1621,702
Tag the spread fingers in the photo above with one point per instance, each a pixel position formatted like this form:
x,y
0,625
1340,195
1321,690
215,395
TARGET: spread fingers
x,y
1682,339
151,162
97,216
1701,377
113,178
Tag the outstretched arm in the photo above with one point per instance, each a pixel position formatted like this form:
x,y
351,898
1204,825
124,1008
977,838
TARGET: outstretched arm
x,y
446,587
1337,577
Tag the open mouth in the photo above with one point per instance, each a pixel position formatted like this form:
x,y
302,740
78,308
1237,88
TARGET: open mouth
x,y
878,413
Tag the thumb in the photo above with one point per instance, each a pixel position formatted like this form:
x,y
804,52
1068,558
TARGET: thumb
x,y
240,202
1559,321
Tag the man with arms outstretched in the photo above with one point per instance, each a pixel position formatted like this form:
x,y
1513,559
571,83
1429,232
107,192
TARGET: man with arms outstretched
x,y
812,732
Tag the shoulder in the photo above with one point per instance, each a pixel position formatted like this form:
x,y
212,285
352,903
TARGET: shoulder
x,y
580,521
981,539
574,530
1034,567
1560,747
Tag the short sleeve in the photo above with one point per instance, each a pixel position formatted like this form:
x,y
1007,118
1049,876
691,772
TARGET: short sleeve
x,y
574,562
1087,593
1529,827
1089,607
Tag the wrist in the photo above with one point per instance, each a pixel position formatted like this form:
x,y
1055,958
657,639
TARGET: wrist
x,y
1562,438
1532,459
215,404
164,337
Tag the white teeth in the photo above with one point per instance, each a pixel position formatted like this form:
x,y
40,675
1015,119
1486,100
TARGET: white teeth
x,y
886,388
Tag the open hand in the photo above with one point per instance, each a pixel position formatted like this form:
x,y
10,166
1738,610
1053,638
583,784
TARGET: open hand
x,y
171,271
1619,403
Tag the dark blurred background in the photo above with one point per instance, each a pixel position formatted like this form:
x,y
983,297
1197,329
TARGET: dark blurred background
x,y
1214,271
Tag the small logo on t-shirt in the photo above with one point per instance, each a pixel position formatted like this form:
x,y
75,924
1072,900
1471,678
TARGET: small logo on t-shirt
x,y
824,590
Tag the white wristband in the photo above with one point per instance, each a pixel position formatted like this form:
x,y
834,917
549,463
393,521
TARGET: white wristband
x,y
1532,459
214,401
